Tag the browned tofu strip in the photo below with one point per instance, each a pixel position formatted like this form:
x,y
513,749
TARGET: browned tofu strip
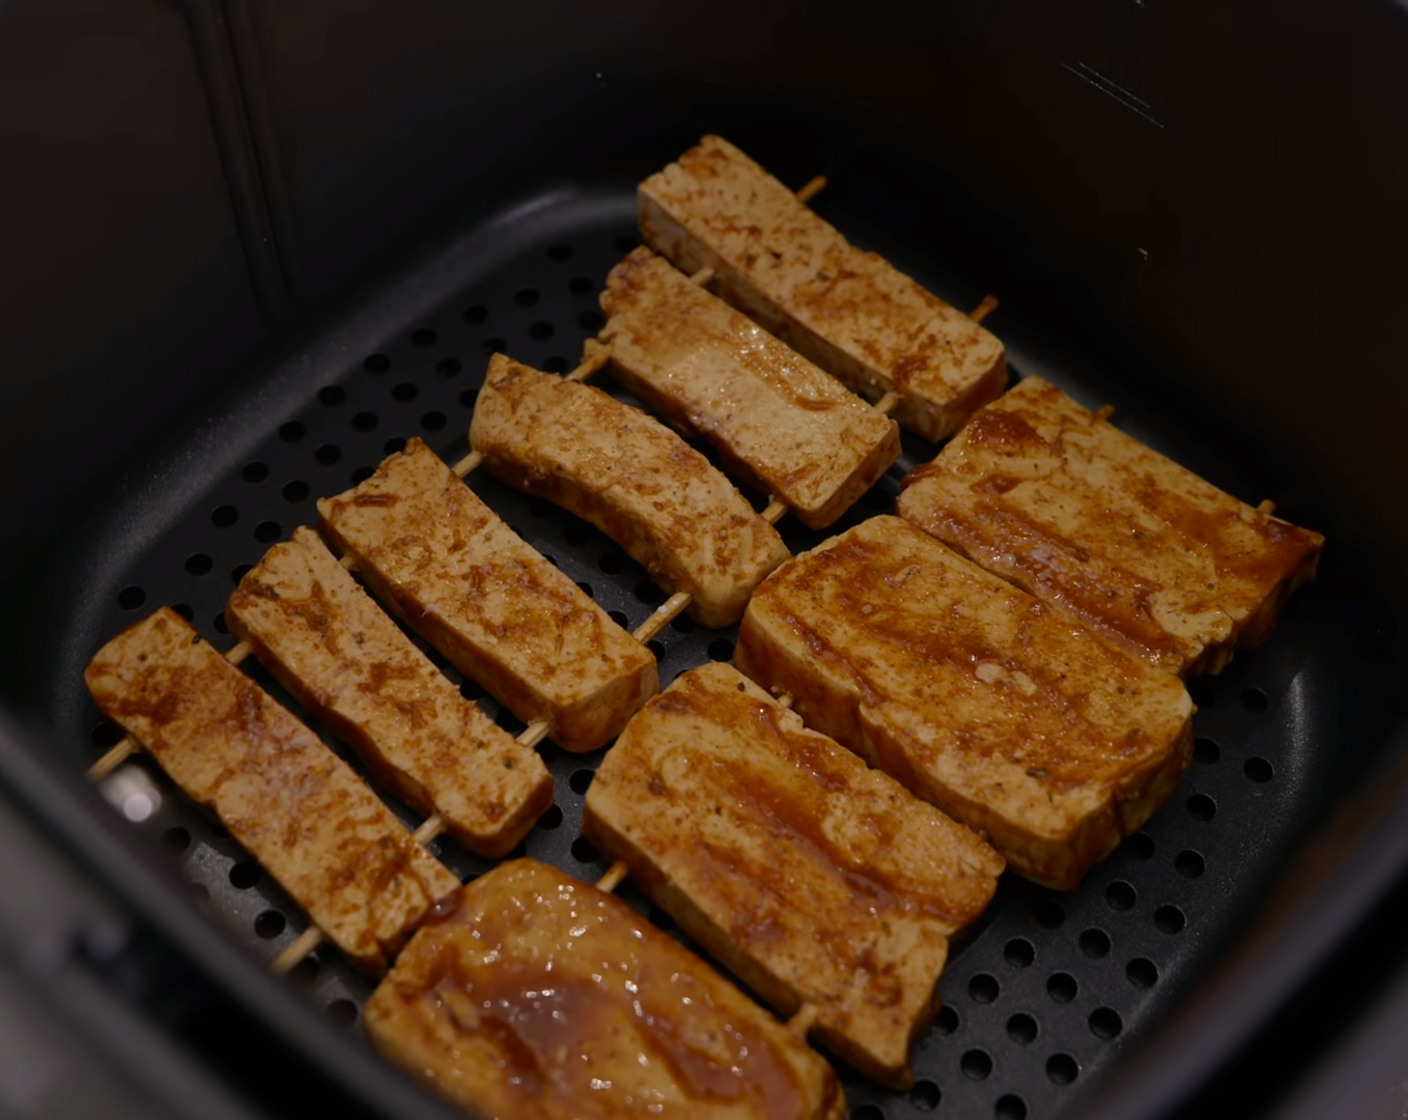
x,y
811,877
334,649
1054,498
992,705
851,312
777,419
542,996
490,602
633,478
301,811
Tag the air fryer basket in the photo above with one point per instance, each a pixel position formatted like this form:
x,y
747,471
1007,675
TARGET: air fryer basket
x,y
1052,993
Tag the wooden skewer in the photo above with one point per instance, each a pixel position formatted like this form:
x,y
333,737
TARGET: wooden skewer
x,y
804,1020
984,309
703,276
887,402
1104,412
299,948
612,879
1267,507
812,189
662,616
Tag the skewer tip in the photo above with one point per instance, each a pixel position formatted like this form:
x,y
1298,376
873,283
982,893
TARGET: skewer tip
x,y
984,309
812,189
301,946
613,877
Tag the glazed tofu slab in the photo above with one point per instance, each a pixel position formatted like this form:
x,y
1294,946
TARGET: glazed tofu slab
x,y
542,996
849,311
776,418
1051,496
344,660
994,706
630,476
813,878
490,602
301,811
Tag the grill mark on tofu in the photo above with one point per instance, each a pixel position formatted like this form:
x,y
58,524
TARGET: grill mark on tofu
x,y
728,812
1051,496
343,659
633,478
848,310
298,808
777,419
540,994
976,696
493,605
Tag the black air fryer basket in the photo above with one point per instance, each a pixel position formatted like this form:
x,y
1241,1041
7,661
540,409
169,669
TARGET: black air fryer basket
x,y
254,247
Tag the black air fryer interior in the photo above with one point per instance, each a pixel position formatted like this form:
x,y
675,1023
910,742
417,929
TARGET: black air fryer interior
x,y
402,191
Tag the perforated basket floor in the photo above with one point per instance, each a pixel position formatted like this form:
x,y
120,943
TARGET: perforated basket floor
x,y
1050,987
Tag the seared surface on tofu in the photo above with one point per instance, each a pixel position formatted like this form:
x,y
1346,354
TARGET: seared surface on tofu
x,y
789,427
301,811
633,478
995,706
813,878
542,996
335,650
1056,499
851,312
490,602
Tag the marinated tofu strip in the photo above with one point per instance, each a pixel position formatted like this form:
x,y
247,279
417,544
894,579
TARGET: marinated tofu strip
x,y
776,418
994,706
344,660
813,878
542,996
1049,495
301,811
849,311
633,478
493,605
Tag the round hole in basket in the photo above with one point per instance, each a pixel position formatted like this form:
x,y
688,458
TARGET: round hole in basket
x,y
925,1096
1062,1069
1022,1028
1019,952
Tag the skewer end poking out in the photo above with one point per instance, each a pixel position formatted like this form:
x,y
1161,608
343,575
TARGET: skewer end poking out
x,y
429,829
984,309
468,463
663,616
114,758
304,944
773,514
1104,412
612,879
803,1021
1267,507
812,189
596,356
533,734
887,403
702,277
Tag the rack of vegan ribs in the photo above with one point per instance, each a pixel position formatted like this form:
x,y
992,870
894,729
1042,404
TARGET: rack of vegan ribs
x,y
822,767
